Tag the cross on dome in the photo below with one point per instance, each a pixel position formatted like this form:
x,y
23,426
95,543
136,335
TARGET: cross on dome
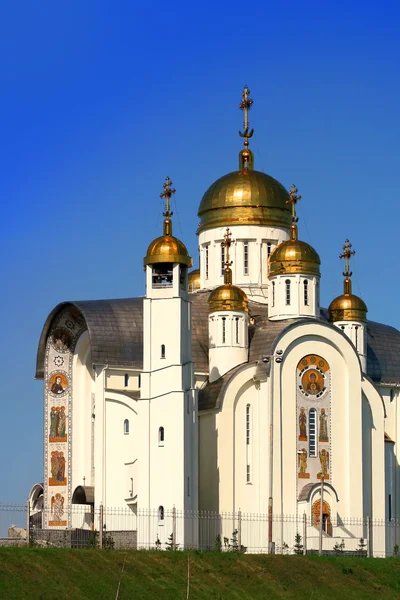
x,y
294,198
347,254
167,193
227,244
245,106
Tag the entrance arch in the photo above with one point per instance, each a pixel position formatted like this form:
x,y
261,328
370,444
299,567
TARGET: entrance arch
x,y
326,515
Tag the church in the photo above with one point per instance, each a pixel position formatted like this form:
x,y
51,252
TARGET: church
x,y
225,388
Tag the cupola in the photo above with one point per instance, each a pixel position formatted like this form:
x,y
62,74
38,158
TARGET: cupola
x,y
294,274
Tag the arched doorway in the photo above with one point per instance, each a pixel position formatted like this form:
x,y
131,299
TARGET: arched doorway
x,y
326,516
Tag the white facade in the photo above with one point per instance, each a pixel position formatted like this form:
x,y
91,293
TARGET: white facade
x,y
228,341
292,296
355,331
249,252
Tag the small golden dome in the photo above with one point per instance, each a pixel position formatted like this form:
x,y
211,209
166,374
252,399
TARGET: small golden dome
x,y
244,197
294,256
348,307
227,297
194,280
167,249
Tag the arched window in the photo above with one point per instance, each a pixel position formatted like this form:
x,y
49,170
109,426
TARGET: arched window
x,y
206,261
161,436
317,293
356,336
126,427
162,350
161,515
223,330
246,258
139,381
269,248
126,379
273,293
248,424
305,283
237,329
312,440
287,283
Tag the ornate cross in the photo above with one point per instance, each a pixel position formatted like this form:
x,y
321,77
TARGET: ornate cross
x,y
294,198
347,254
167,193
245,106
227,244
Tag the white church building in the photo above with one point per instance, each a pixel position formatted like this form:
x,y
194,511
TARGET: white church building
x,y
226,388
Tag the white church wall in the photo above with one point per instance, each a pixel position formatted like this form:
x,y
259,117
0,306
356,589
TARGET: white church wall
x,y
250,275
120,447
116,379
208,462
290,299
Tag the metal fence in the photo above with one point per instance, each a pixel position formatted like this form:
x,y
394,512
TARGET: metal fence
x,y
170,529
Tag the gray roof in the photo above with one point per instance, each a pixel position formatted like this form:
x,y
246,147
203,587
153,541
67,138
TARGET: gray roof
x,y
116,335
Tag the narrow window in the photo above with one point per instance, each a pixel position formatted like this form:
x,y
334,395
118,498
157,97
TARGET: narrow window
x,y
247,473
206,261
162,350
246,258
312,424
222,259
305,283
273,293
223,330
287,283
317,293
161,515
161,436
269,248
356,336
126,427
139,380
237,329
248,424
126,379
391,395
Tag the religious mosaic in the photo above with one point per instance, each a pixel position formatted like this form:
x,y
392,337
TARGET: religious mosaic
x,y
66,329
313,420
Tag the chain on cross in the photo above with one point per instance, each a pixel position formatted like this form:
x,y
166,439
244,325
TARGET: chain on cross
x,y
167,193
347,254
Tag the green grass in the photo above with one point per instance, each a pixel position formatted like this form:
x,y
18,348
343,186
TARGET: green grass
x,y
62,574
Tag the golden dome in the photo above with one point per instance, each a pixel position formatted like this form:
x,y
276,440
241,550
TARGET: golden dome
x,y
227,297
167,249
294,256
194,280
348,307
244,197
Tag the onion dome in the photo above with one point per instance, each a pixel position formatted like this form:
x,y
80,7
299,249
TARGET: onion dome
x,y
294,256
167,248
227,296
246,196
194,280
348,306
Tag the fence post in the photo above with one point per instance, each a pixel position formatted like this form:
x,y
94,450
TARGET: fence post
x,y
101,525
28,523
174,528
369,537
304,533
239,530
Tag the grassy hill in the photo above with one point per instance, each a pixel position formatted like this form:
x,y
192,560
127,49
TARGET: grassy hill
x,y
41,573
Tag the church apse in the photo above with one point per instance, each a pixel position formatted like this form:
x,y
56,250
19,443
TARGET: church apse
x,y
313,409
66,329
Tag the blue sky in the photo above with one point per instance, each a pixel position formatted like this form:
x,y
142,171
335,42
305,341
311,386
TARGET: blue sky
x,y
100,101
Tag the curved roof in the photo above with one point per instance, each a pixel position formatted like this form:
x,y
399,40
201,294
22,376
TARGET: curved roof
x,y
116,335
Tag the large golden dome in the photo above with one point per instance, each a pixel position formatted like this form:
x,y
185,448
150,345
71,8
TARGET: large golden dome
x,y
227,297
348,307
244,197
167,249
294,256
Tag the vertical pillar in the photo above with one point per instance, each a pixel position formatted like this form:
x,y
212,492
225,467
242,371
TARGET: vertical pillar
x,y
28,523
101,525
304,533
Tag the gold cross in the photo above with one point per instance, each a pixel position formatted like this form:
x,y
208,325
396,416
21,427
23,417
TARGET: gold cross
x,y
167,193
245,106
227,244
347,254
294,198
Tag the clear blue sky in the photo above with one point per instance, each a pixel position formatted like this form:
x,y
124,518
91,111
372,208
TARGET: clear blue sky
x,y
101,100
